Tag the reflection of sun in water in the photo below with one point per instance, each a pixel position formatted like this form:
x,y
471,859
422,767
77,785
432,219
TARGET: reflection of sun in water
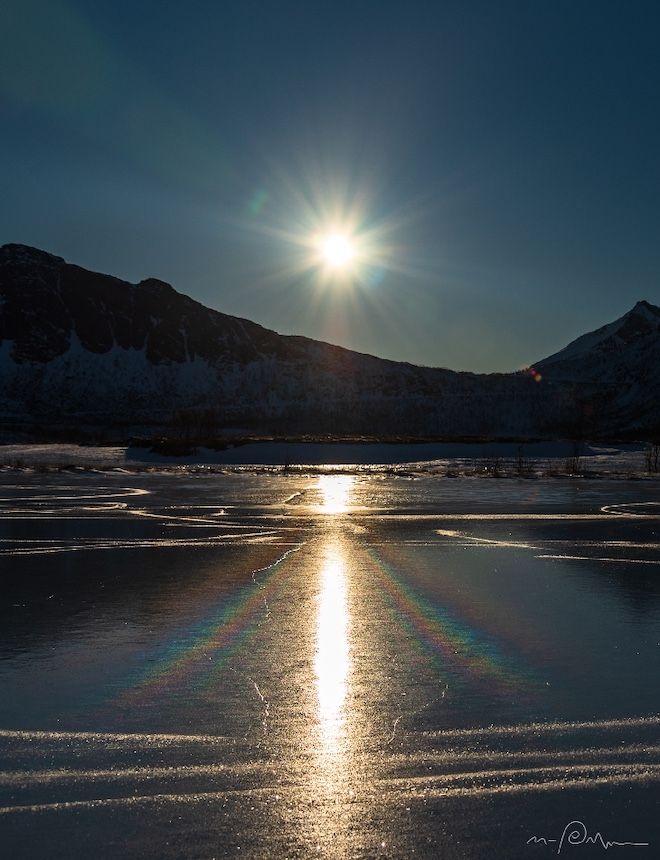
x,y
332,652
335,493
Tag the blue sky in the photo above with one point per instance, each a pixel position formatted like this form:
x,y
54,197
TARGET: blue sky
x,y
502,158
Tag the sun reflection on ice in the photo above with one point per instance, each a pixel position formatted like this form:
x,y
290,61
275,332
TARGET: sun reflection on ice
x,y
332,650
335,766
335,493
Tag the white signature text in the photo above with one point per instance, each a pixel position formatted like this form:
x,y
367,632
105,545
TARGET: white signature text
x,y
576,833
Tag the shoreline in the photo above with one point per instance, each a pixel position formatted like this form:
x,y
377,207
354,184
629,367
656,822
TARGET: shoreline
x,y
440,460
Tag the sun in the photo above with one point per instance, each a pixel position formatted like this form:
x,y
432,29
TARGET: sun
x,y
337,250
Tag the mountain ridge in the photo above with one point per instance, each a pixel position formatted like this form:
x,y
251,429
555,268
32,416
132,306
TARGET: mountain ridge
x,y
84,347
26,253
642,318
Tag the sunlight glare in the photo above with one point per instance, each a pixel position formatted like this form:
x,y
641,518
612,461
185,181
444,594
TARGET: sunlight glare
x,y
335,493
332,651
337,250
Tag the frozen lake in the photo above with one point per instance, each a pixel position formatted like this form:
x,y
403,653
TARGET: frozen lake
x,y
328,665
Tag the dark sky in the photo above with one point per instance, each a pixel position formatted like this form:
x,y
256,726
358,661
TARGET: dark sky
x,y
503,159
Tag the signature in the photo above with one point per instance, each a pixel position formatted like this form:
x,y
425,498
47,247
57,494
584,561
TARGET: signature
x,y
575,833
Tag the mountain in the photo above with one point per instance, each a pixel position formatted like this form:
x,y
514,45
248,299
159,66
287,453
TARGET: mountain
x,y
82,348
619,364
629,336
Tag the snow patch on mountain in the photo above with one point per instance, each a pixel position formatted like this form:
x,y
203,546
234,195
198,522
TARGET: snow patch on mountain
x,y
641,321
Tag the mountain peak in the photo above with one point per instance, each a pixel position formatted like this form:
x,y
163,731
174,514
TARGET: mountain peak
x,y
640,322
26,254
156,285
645,309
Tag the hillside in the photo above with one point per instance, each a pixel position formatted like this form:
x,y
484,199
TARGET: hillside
x,y
82,348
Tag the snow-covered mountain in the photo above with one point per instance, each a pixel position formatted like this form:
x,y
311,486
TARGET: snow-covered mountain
x,y
631,334
619,363
77,347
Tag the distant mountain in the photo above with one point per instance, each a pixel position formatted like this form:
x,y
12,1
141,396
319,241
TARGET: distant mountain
x,y
619,363
629,336
81,348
